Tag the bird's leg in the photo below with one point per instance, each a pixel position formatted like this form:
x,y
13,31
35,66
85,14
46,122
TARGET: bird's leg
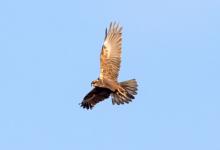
x,y
122,92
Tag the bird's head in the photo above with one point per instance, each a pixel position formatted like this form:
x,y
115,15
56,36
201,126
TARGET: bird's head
x,y
95,83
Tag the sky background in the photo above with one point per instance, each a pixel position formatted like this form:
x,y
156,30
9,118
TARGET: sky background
x,y
49,54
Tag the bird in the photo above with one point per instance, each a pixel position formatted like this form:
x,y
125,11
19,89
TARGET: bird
x,y
107,83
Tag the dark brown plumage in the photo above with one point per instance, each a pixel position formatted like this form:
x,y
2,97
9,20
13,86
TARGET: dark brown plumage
x,y
107,84
96,95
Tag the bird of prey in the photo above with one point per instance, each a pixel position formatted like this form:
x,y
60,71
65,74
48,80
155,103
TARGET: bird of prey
x,y
107,84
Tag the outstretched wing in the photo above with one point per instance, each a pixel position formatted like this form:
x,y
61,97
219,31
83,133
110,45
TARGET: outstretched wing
x,y
96,95
110,58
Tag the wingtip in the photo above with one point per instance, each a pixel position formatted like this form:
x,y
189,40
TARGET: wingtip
x,y
86,106
115,24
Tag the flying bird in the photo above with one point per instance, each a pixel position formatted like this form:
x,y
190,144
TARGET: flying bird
x,y
107,83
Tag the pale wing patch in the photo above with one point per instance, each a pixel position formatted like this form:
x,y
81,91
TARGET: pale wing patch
x,y
107,48
101,74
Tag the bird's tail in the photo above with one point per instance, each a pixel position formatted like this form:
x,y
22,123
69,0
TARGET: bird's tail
x,y
125,93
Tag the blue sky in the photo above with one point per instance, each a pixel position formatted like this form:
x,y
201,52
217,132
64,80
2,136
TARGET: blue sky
x,y
49,54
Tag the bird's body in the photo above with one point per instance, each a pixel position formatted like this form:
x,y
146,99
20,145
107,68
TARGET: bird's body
x,y
107,84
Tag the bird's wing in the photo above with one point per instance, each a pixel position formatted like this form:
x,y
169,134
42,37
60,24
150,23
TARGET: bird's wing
x,y
96,95
110,58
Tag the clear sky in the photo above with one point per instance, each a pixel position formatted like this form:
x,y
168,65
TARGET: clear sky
x,y
49,54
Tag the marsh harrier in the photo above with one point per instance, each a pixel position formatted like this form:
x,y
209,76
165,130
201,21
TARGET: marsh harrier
x,y
107,84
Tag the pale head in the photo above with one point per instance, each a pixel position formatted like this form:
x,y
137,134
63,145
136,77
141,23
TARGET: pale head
x,y
95,83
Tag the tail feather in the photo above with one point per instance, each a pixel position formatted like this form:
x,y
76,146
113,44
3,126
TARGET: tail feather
x,y
126,93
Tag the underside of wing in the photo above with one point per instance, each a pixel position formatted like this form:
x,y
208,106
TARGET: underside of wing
x,y
96,95
110,58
